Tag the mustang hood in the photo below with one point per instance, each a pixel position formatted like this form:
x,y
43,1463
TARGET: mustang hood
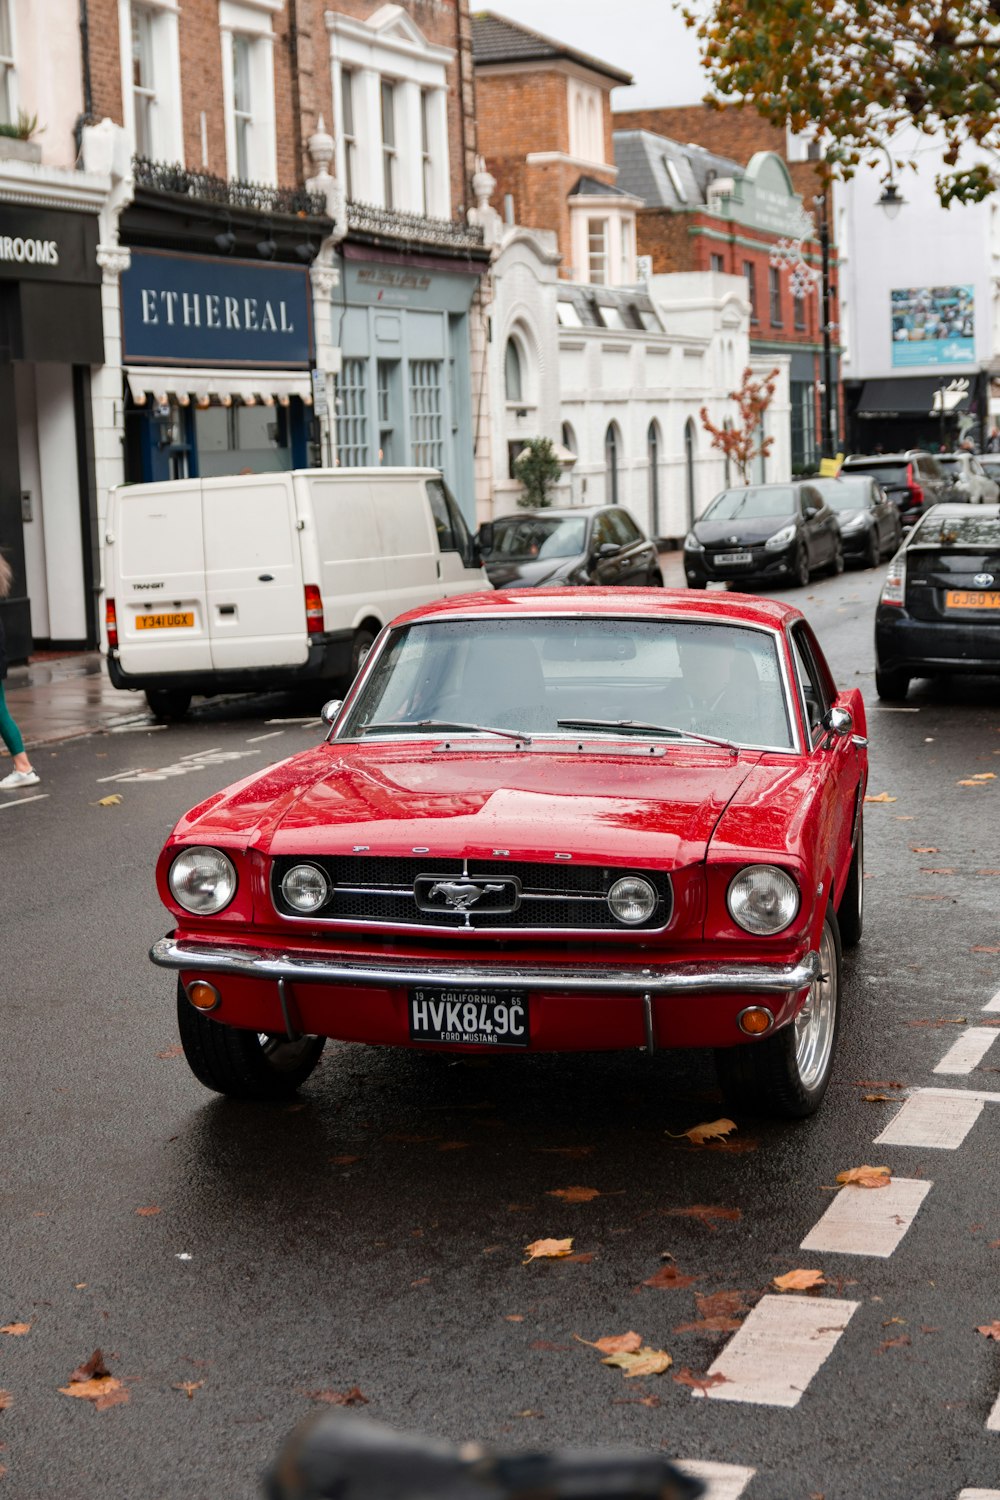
x,y
636,808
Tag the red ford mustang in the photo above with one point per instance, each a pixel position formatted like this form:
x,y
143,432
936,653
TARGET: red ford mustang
x,y
548,820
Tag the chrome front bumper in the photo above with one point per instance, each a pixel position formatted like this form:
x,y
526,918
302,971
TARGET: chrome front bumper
x,y
680,979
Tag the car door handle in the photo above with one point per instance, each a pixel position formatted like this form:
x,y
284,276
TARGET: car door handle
x,y
265,578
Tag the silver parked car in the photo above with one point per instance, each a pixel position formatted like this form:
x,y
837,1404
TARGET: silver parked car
x,y
971,481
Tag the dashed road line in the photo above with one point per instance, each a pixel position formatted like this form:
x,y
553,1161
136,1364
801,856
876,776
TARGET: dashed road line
x,y
993,1420
868,1223
21,801
979,1495
255,739
968,1052
937,1118
993,1004
309,719
780,1347
723,1481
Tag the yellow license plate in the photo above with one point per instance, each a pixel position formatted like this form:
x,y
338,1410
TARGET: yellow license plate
x,y
966,599
164,622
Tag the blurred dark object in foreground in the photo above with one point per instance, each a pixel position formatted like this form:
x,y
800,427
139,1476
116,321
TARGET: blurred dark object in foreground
x,y
339,1456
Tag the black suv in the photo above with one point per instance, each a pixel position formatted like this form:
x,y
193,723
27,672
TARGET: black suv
x,y
913,480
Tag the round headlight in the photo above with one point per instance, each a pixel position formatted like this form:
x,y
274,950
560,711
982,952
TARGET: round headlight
x,y
203,881
763,900
632,900
305,888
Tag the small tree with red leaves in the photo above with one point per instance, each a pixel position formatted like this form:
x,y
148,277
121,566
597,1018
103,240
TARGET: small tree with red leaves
x,y
742,442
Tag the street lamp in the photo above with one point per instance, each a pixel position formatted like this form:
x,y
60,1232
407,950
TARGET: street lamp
x,y
890,200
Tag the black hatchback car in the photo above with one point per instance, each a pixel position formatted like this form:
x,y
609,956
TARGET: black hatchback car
x,y
590,544
939,612
870,525
768,531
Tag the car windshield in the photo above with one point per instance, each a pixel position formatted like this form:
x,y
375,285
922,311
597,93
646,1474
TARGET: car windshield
x,y
950,463
893,473
755,500
844,494
523,538
722,680
979,532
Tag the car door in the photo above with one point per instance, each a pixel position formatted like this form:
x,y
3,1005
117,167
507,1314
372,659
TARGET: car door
x,y
604,564
816,517
836,757
454,542
885,517
635,559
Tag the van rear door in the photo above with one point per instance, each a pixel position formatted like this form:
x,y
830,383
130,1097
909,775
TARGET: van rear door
x,y
253,573
351,563
157,578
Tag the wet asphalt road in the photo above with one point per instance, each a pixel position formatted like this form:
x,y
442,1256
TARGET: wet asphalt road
x,y
371,1234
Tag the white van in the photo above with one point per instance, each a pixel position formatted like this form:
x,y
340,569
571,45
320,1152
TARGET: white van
x,y
268,580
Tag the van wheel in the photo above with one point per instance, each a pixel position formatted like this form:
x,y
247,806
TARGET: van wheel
x,y
168,704
363,642
243,1064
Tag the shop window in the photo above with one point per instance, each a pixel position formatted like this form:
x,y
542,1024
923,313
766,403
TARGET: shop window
x,y
242,111
389,143
351,414
426,426
150,77
597,251
8,109
248,92
799,304
426,162
347,132
612,454
241,439
717,262
513,382
750,275
774,290
143,79
388,402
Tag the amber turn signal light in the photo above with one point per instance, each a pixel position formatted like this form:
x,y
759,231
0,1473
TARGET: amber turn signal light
x,y
755,1020
203,996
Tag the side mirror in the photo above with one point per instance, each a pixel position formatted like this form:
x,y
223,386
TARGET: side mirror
x,y
330,711
607,549
838,722
811,512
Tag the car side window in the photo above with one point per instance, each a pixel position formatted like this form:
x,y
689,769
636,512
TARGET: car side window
x,y
460,531
442,516
814,690
804,500
601,532
623,528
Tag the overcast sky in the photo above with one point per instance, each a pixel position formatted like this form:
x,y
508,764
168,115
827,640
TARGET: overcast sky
x,y
646,38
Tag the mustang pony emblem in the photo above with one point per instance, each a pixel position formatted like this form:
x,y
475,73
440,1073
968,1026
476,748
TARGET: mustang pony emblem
x,y
461,894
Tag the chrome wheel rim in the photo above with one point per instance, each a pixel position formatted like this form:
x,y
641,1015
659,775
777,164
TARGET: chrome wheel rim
x,y
816,1021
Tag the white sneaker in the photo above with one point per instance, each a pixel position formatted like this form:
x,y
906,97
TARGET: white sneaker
x,y
18,779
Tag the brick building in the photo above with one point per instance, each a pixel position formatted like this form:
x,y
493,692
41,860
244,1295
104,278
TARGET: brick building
x,y
724,204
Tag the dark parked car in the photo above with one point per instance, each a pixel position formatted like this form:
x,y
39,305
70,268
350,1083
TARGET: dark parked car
x,y
767,531
870,527
914,479
939,612
590,544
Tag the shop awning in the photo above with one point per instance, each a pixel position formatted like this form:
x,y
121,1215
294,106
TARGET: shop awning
x,y
154,383
917,396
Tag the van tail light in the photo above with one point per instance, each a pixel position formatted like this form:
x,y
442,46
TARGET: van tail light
x,y
314,610
111,622
894,587
916,491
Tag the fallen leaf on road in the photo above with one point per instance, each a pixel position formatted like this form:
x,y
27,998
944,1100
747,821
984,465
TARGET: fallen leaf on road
x,y
947,871
878,1099
574,1194
176,1051
614,1343
343,1161
698,1382
720,1304
103,1391
353,1397
668,1279
888,1322
865,1177
705,1213
988,872
6,1400
547,1250
148,1213
713,1130
880,797
925,849
643,1361
95,1367
652,1401
189,1387
980,784
113,801
981,949
990,1330
984,776
16,1330
513,1317
799,1281
942,1021
717,1324
528,1412
421,1281
583,1259
902,1341
876,1083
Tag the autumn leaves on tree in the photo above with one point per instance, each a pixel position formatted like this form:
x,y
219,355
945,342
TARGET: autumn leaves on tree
x,y
743,440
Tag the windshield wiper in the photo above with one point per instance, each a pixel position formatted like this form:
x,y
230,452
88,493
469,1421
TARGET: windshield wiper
x,y
636,726
508,734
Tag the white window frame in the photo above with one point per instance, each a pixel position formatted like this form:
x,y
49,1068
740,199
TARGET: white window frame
x,y
585,105
348,136
252,19
9,93
389,116
619,215
598,261
390,47
166,115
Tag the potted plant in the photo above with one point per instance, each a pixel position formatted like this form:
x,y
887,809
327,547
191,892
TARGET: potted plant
x,y
538,470
16,138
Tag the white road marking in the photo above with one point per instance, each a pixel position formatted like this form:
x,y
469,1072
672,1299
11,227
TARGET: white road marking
x,y
993,1004
724,1481
309,719
256,738
38,797
135,728
993,1420
939,1118
970,1049
883,708
863,1221
779,1349
196,761
979,1495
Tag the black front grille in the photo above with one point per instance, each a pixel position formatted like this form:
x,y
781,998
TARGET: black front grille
x,y
379,890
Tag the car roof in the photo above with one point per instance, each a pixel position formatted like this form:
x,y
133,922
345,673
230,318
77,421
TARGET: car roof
x,y
725,608
560,511
885,458
959,508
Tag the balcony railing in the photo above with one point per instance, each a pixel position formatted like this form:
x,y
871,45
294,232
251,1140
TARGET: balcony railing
x,y
204,187
393,224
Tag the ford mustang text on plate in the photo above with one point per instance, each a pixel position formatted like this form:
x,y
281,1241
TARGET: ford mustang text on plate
x,y
543,821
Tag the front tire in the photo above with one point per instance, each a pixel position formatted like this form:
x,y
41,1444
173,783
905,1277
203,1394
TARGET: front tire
x,y
801,573
836,564
786,1076
851,912
891,684
697,583
243,1064
168,705
874,554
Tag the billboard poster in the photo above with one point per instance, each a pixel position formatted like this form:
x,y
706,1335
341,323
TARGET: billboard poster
x,y
933,325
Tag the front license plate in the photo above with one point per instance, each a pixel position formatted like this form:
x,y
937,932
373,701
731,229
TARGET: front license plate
x,y
733,557
966,599
480,1018
164,622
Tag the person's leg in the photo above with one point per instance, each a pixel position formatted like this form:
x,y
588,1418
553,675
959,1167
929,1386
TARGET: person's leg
x,y
11,736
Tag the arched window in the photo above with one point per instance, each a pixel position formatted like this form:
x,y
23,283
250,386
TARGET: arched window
x,y
612,457
569,438
595,148
728,426
653,452
689,454
513,381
